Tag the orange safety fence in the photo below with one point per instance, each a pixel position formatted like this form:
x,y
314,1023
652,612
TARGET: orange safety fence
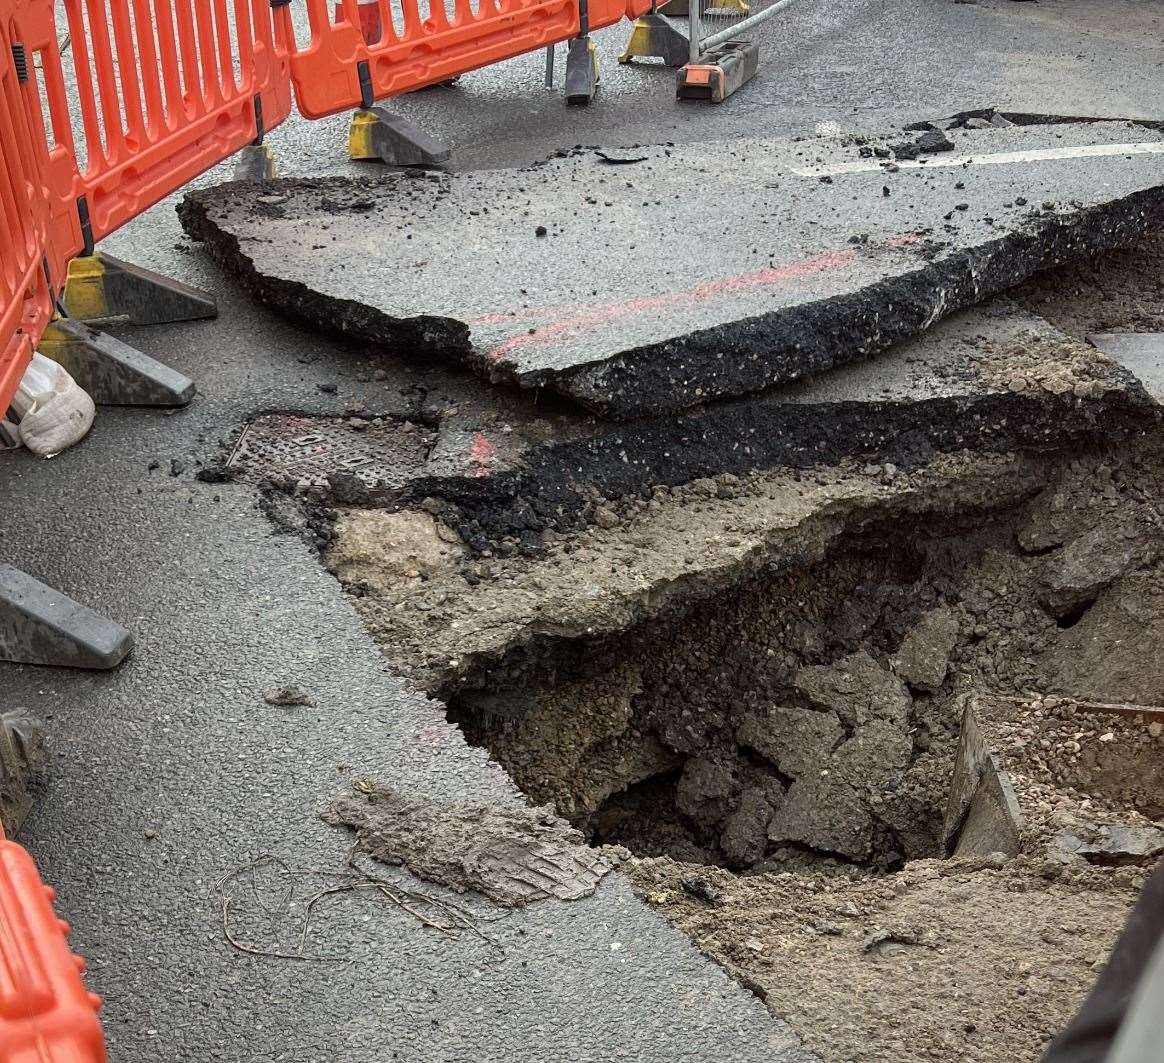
x,y
46,1015
339,69
26,289
164,89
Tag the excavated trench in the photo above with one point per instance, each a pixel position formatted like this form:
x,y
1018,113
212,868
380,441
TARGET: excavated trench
x,y
807,715
811,712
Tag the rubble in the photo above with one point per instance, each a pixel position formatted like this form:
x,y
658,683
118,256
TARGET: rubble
x,y
513,857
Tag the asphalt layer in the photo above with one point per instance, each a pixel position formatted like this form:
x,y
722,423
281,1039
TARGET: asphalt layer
x,y
990,379
172,771
824,253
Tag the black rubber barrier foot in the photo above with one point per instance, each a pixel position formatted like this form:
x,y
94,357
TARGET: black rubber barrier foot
x,y
723,70
100,287
113,373
581,72
38,625
656,37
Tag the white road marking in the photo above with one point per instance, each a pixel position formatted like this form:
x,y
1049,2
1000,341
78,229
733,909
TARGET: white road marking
x,y
1000,158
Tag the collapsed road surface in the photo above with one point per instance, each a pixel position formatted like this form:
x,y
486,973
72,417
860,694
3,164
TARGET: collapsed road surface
x,y
176,772
992,379
607,279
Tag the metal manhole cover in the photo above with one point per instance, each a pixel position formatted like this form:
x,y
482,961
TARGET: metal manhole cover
x,y
310,449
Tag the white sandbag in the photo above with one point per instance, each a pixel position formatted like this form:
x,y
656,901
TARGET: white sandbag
x,y
55,411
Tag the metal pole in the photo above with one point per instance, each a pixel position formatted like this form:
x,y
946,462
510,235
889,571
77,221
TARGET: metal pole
x,y
694,30
549,66
734,31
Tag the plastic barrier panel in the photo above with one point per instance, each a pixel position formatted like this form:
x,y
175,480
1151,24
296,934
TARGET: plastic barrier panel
x,y
166,89
338,69
46,1016
25,291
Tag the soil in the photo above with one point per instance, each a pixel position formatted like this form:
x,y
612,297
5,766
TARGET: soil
x,y
979,963
1118,291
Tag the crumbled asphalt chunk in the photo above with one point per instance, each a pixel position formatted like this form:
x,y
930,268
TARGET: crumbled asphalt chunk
x,y
177,466
513,856
930,142
704,890
216,474
288,696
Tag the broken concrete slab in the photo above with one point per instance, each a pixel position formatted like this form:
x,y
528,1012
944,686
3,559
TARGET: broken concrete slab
x,y
572,275
857,689
993,378
1141,353
1110,844
982,815
924,654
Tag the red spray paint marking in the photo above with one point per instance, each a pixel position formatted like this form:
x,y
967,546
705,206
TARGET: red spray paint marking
x,y
589,317
481,454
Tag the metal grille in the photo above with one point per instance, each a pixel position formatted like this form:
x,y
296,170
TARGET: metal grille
x,y
309,450
715,22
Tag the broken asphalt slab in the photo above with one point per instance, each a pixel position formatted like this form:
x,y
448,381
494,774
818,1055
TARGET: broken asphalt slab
x,y
703,272
994,378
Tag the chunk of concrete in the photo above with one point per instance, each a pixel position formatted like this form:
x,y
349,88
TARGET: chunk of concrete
x,y
1122,540
704,790
548,276
856,688
824,813
744,837
1109,844
796,740
388,547
982,814
924,654
877,753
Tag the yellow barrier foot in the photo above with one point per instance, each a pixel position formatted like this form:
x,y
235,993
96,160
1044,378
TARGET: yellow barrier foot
x,y
255,162
41,626
581,72
656,37
112,372
722,71
378,135
100,287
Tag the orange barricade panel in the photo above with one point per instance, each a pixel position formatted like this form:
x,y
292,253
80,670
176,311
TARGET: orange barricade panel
x,y
338,70
25,291
46,1016
166,90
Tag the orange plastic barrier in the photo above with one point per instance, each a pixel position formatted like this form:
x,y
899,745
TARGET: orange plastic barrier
x,y
46,1016
338,69
25,222
165,89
